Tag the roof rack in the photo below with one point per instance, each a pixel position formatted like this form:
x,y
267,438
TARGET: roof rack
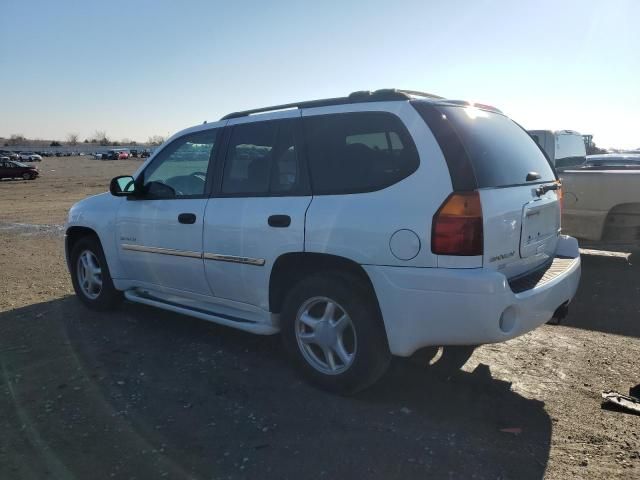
x,y
416,93
387,94
483,106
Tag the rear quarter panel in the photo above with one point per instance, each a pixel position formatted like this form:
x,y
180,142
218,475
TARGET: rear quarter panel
x,y
359,226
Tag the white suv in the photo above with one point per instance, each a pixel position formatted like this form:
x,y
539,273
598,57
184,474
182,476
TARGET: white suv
x,y
358,227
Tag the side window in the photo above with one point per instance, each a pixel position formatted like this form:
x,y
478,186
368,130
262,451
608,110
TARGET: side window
x,y
358,152
286,175
180,170
262,159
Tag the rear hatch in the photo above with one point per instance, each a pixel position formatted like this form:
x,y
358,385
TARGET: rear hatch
x,y
488,152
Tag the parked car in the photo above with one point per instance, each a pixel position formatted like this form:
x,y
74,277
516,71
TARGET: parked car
x,y
145,154
565,148
59,154
123,155
360,227
113,154
602,199
4,159
133,153
13,169
30,157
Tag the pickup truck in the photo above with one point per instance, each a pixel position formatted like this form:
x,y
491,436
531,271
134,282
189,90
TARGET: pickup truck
x,y
602,200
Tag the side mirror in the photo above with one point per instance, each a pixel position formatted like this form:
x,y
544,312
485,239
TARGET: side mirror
x,y
122,186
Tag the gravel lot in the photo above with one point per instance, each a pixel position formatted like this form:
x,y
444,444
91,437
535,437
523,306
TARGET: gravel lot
x,y
141,393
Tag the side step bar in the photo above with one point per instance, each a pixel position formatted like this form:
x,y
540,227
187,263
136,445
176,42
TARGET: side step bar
x,y
222,319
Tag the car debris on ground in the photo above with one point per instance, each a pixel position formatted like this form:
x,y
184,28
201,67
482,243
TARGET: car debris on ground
x,y
618,401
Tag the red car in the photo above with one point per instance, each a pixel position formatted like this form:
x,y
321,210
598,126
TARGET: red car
x,y
123,155
12,169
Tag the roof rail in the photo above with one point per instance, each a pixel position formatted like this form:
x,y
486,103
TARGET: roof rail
x,y
482,106
416,93
387,94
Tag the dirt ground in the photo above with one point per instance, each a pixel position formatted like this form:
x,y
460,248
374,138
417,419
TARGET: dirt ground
x,y
141,393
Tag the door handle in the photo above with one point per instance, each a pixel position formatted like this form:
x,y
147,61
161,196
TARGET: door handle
x,y
281,221
187,218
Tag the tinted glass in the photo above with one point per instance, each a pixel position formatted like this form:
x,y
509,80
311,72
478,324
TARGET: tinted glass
x,y
285,175
248,164
262,159
358,152
501,152
182,166
569,162
613,160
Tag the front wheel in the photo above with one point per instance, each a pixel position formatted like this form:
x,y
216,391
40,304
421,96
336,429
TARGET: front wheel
x,y
90,276
26,176
333,331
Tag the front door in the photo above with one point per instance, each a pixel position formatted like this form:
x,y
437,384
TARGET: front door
x,y
258,211
160,232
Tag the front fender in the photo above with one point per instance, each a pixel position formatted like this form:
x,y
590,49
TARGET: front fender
x,y
98,213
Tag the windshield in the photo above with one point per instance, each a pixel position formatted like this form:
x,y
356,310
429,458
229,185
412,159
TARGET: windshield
x,y
19,164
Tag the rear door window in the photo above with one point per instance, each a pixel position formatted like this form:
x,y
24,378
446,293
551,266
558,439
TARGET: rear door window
x,y
358,152
499,151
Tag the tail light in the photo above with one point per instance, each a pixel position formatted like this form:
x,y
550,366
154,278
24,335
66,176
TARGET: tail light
x,y
457,225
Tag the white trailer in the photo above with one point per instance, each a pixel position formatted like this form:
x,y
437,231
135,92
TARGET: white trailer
x,y
565,148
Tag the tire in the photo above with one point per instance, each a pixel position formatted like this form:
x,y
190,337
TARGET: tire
x,y
362,339
102,297
26,176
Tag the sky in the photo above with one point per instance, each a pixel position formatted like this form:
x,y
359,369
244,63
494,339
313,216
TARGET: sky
x,y
138,68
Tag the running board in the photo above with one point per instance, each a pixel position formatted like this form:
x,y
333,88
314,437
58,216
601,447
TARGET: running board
x,y
222,319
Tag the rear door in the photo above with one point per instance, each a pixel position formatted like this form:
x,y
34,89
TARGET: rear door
x,y
521,216
258,210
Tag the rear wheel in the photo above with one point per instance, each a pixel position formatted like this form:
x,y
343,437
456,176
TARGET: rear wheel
x,y
332,329
90,276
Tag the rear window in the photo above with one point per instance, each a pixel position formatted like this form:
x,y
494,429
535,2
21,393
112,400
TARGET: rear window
x,y
499,151
358,152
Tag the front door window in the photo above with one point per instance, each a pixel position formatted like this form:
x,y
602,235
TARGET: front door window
x,y
180,170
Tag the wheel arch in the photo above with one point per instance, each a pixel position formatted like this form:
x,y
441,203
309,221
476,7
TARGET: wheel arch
x,y
622,223
75,233
290,268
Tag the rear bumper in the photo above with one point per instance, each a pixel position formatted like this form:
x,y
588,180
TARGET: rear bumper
x,y
436,306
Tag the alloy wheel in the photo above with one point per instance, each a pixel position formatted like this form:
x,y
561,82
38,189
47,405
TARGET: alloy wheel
x,y
89,274
326,335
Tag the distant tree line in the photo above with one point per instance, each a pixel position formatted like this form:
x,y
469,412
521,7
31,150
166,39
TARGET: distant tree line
x,y
99,137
